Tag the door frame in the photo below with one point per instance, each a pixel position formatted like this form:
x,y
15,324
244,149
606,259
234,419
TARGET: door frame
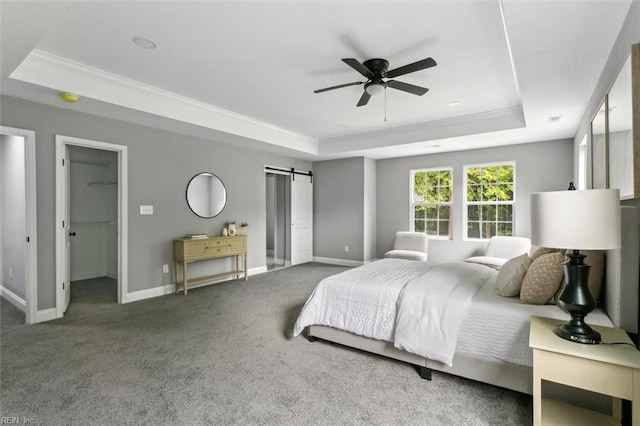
x,y
31,260
123,221
291,172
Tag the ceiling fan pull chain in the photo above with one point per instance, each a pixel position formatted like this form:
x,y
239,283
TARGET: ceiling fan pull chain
x,y
385,104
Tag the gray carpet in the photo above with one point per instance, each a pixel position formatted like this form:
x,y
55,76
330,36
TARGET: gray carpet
x,y
222,355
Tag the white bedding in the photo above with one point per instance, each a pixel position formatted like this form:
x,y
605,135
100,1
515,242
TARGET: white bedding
x,y
432,306
495,327
361,300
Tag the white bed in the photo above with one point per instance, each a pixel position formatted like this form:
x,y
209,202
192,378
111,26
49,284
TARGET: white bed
x,y
492,343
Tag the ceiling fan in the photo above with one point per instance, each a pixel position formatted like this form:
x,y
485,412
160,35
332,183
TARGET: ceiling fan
x,y
376,70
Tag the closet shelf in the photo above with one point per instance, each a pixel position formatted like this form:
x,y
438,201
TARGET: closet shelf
x,y
102,182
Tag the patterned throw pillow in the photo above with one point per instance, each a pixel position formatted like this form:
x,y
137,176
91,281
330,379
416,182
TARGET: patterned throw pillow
x,y
511,274
542,280
544,250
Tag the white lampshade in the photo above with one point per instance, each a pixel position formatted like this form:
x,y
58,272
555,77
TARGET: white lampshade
x,y
577,220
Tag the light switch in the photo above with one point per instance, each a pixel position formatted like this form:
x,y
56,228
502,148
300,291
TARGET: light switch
x,y
146,209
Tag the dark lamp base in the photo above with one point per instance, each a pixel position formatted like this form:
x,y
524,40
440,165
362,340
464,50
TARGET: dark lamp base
x,y
578,332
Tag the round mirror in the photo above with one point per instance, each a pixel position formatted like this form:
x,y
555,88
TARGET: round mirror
x,y
206,195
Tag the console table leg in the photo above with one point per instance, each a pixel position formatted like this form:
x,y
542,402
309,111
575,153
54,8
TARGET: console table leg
x,y
184,277
175,275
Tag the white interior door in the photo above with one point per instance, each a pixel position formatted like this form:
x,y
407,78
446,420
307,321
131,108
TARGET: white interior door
x,y
63,223
301,219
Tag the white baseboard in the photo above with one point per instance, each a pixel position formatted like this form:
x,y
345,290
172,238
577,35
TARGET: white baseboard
x,y
113,274
341,262
170,288
257,271
13,298
46,315
148,293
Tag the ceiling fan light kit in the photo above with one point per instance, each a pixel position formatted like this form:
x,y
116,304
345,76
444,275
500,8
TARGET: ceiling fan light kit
x,y
376,71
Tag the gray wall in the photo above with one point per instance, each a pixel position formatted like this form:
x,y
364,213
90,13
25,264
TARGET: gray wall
x,y
370,209
161,164
543,166
338,207
13,225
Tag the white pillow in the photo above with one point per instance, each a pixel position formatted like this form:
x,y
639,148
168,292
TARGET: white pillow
x,y
493,262
511,275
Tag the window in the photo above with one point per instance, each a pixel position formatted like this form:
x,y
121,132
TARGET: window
x,y
489,200
431,201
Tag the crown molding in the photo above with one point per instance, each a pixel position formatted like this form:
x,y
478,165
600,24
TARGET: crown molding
x,y
471,124
58,73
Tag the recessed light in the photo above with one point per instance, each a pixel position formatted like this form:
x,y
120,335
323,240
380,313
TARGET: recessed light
x,y
554,119
69,97
144,43
343,126
431,146
454,104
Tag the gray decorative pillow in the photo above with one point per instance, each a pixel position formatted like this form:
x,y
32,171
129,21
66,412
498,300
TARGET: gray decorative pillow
x,y
511,274
542,280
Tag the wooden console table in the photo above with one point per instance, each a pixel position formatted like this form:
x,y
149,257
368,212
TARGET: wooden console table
x,y
186,251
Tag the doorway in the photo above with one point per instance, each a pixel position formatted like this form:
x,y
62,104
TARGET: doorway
x,y
91,232
18,250
289,217
278,219
93,196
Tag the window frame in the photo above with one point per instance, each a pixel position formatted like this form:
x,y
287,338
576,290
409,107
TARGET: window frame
x,y
466,203
413,204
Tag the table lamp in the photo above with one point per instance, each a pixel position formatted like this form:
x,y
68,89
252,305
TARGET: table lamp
x,y
576,220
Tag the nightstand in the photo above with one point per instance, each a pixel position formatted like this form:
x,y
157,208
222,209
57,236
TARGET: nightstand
x,y
607,369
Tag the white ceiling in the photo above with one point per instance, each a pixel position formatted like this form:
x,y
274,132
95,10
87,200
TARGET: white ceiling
x,y
244,72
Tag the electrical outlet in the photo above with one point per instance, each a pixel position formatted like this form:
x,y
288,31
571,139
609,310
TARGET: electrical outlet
x,y
10,273
346,248
165,269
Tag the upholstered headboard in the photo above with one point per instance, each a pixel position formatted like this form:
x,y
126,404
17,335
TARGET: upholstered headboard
x,y
620,298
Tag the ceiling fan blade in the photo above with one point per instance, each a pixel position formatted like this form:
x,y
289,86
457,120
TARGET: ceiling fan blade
x,y
416,66
356,65
406,87
364,99
338,87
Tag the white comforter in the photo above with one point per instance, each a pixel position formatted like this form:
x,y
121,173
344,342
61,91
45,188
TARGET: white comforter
x,y
432,306
365,301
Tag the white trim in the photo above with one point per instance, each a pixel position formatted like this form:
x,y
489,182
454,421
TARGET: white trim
x,y
46,315
45,69
412,204
31,270
465,204
13,298
123,218
341,262
150,293
257,270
